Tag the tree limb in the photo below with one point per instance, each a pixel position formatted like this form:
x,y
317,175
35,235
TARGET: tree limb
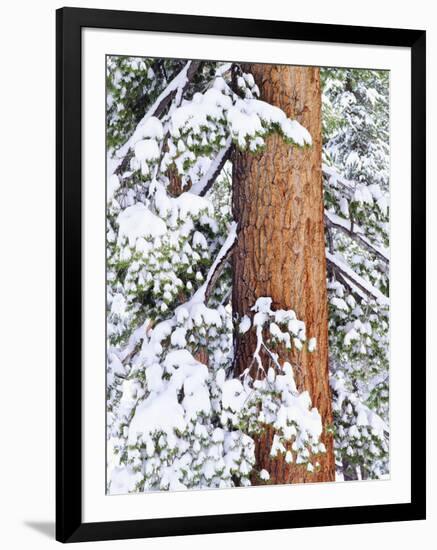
x,y
354,280
355,291
177,86
347,186
206,182
218,268
355,232
219,262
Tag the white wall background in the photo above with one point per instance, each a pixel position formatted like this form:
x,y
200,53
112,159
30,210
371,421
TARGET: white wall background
x,y
27,269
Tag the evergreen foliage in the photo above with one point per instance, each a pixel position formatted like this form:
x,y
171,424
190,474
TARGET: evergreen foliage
x,y
176,416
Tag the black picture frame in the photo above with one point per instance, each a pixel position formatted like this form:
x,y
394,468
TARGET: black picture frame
x,y
69,24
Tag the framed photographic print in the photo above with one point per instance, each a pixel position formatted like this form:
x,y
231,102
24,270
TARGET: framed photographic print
x,y
240,274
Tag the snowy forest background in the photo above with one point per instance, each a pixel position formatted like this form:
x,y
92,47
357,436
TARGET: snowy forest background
x,y
201,391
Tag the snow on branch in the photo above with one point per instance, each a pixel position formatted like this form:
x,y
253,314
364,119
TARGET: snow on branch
x,y
354,290
347,186
357,233
354,280
200,297
356,191
206,182
220,261
175,88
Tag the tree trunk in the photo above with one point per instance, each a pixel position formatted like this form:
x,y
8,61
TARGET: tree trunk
x,y
349,471
278,203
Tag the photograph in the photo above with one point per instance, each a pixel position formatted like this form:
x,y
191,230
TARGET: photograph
x,y
247,274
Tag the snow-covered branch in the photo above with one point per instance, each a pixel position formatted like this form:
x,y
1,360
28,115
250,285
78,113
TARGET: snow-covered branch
x,y
205,183
347,186
175,88
355,281
180,414
355,191
357,233
220,262
203,292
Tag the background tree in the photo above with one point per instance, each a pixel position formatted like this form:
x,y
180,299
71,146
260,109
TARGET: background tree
x,y
356,155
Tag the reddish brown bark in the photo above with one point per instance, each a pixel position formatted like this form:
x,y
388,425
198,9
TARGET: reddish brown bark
x,y
278,202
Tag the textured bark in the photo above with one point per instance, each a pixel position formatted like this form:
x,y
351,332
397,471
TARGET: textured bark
x,y
174,188
280,252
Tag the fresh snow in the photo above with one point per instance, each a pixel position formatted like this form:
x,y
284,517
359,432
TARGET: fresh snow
x,y
199,186
147,150
112,185
354,229
138,221
245,324
177,418
356,280
142,128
